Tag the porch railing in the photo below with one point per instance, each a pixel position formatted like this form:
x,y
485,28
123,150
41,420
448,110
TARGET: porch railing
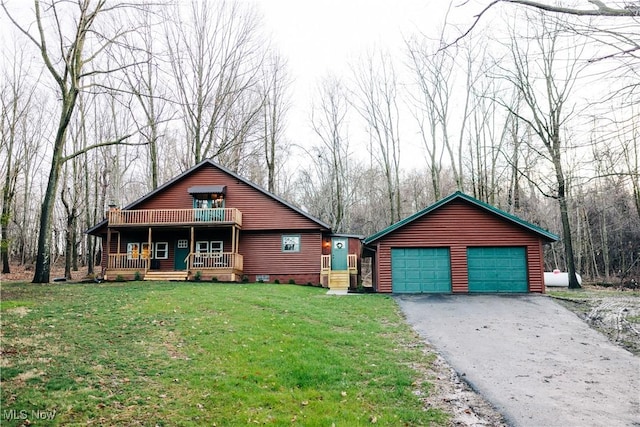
x,y
215,260
123,262
174,216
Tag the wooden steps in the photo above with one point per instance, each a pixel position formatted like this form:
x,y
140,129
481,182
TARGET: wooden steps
x,y
339,279
166,275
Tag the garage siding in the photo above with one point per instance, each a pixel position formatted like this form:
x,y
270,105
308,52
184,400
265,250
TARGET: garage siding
x,y
459,225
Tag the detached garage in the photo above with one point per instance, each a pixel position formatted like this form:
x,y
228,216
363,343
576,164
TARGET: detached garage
x,y
459,245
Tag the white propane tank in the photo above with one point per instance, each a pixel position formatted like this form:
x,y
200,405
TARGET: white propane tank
x,y
556,278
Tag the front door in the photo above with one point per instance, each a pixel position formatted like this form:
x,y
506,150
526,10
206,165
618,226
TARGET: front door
x,y
180,254
339,253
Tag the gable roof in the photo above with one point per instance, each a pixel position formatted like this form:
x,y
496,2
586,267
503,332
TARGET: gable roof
x,y
546,235
223,169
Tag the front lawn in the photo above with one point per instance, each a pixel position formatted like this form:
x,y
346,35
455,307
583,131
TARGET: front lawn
x,y
142,353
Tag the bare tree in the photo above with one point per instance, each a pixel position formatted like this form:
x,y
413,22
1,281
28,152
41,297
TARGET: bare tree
x,y
329,123
215,60
545,84
78,48
142,62
17,98
275,83
435,70
376,99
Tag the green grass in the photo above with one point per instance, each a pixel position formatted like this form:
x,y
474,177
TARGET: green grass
x,y
173,354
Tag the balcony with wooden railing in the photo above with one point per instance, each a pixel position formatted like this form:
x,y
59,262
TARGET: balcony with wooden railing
x,y
223,216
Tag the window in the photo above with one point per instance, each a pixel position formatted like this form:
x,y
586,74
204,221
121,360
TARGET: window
x,y
202,247
146,251
216,246
162,250
201,204
290,243
183,244
133,250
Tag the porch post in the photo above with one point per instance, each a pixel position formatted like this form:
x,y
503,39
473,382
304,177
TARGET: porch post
x,y
233,239
148,261
191,247
108,247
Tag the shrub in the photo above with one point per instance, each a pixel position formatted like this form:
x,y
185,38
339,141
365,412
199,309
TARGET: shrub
x,y
137,276
214,279
119,278
292,281
277,282
198,276
245,279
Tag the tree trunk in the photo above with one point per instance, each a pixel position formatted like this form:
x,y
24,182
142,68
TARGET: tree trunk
x,y
566,225
43,258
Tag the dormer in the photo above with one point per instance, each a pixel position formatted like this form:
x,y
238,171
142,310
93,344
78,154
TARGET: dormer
x,y
208,196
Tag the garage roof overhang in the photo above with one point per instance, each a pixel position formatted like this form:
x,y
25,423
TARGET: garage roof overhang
x,y
544,234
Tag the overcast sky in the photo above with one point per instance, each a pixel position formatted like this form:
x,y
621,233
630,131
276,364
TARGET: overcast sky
x,y
318,37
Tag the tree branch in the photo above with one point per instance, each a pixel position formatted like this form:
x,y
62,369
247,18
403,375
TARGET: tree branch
x,y
118,141
630,11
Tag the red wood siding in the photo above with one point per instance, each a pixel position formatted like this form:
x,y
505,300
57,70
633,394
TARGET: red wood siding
x,y
263,255
259,211
458,225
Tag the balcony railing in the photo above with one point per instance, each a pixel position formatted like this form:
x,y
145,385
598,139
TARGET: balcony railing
x,y
175,216
214,260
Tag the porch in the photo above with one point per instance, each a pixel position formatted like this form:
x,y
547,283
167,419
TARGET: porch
x,y
223,266
339,279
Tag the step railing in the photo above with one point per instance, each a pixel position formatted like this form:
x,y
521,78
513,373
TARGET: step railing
x,y
325,263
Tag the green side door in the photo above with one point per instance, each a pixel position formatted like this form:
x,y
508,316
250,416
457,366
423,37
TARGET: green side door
x,y
420,270
339,253
497,269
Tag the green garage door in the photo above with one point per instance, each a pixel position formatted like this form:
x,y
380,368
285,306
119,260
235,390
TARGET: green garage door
x,y
497,269
415,270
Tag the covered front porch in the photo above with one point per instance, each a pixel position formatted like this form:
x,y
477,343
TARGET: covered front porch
x,y
159,245
223,266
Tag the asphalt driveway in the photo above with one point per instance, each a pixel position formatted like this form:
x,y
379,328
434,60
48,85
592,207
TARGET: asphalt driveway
x,y
535,361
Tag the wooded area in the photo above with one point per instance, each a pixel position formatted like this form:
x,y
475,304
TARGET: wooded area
x,y
534,110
